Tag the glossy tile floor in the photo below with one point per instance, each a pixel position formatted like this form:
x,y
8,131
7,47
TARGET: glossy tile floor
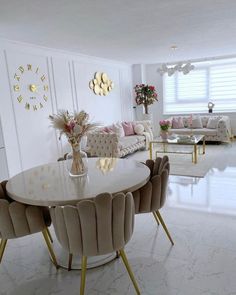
x,y
201,216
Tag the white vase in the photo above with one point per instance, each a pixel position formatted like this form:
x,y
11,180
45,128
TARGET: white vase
x,y
147,117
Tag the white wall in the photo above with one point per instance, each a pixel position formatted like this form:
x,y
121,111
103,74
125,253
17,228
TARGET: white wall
x,y
3,160
154,78
29,140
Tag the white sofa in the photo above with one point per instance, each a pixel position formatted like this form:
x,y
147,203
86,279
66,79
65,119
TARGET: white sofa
x,y
220,134
100,144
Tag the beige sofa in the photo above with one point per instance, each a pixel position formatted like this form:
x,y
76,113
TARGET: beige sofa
x,y
220,134
100,144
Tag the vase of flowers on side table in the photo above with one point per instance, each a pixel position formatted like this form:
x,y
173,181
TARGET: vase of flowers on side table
x,y
164,126
74,126
145,95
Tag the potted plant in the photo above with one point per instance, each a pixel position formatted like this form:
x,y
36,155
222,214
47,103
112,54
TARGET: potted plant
x,y
164,126
145,95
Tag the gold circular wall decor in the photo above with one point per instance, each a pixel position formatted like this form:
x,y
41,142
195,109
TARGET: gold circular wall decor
x,y
91,85
101,84
104,77
96,89
98,76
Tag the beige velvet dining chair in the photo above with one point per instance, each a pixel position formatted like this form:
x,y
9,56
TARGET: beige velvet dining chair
x,y
152,196
19,220
96,227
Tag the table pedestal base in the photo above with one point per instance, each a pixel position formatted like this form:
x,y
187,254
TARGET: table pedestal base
x,y
93,262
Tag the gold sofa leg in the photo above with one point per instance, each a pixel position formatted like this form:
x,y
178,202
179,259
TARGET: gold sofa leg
x,y
50,249
83,275
2,248
126,263
156,218
164,226
70,261
49,234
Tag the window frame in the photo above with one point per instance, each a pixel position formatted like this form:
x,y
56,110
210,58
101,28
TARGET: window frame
x,y
207,67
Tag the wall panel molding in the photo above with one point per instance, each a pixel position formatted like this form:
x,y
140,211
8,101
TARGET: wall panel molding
x,y
29,139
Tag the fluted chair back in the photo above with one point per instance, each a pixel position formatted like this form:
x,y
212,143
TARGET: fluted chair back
x,y
18,220
152,196
95,227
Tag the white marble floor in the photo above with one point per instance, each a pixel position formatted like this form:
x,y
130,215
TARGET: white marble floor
x,y
201,216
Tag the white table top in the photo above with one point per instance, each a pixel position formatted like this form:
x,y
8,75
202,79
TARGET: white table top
x,y
51,185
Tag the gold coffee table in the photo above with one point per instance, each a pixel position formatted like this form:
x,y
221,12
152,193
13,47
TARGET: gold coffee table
x,y
180,140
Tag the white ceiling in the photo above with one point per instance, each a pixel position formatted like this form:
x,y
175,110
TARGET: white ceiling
x,y
134,31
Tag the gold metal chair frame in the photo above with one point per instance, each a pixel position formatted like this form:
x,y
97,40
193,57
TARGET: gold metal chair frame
x,y
48,239
126,263
159,220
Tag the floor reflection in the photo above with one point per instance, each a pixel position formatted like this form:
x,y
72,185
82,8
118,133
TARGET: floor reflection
x,y
214,193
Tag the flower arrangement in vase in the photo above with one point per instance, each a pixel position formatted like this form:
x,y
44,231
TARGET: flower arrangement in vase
x,y
145,95
74,127
164,126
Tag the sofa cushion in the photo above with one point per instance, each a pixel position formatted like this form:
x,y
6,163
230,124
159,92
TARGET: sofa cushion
x,y
128,128
213,122
177,122
204,121
107,129
139,129
127,141
118,129
196,122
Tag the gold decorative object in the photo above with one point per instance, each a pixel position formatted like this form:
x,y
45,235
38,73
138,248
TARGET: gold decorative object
x,y
106,164
33,88
104,77
40,87
96,89
101,84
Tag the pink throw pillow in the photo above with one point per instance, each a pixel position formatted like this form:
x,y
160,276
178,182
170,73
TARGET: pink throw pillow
x,y
177,123
108,129
128,128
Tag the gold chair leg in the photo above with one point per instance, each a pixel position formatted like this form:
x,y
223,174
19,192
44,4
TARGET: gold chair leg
x,y
2,248
126,263
164,226
49,234
70,261
83,275
50,249
156,218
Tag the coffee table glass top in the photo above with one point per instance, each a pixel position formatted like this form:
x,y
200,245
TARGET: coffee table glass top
x,y
180,139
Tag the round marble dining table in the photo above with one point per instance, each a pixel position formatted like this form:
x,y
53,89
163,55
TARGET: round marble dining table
x,y
51,185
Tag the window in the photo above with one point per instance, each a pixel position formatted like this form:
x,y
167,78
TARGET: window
x,y
215,82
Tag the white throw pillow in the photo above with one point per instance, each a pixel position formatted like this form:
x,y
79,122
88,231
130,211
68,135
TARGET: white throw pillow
x,y
213,122
118,129
197,122
139,129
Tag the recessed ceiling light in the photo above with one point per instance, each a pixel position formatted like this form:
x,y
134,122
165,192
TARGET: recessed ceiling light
x,y
174,47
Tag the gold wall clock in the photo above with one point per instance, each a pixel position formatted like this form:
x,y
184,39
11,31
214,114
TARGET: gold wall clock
x,y
101,84
31,87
